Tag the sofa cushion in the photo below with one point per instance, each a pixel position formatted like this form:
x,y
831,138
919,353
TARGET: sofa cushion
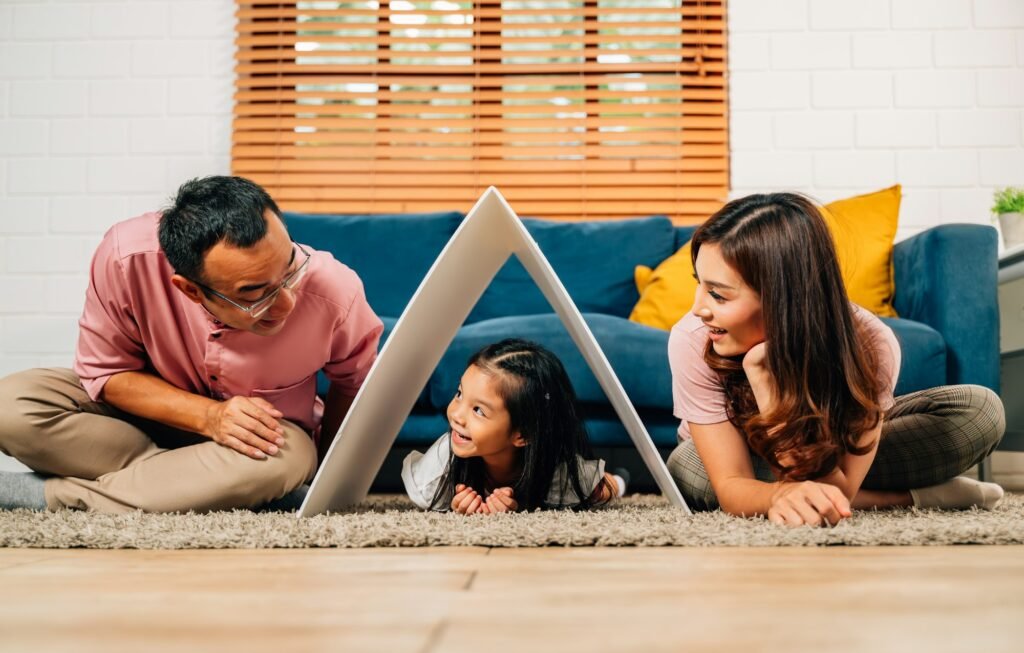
x,y
864,228
390,253
605,429
923,355
594,260
667,293
422,428
684,235
638,354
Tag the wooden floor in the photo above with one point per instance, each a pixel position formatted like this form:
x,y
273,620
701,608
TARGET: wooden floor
x,y
482,600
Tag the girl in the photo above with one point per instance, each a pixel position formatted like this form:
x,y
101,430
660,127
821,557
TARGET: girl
x,y
516,441
785,388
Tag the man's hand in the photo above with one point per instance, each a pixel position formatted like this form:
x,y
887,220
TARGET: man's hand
x,y
246,424
808,503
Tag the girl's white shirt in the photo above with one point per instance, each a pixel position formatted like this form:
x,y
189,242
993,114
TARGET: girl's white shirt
x,y
422,473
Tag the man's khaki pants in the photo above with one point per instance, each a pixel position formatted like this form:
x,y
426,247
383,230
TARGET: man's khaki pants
x,y
101,458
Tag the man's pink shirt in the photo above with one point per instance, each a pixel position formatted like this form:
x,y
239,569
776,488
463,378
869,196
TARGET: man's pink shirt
x,y
135,320
697,394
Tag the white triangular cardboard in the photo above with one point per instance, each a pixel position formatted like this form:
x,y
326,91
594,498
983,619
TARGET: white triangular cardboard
x,y
489,235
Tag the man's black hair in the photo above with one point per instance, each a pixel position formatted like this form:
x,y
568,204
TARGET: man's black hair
x,y
208,210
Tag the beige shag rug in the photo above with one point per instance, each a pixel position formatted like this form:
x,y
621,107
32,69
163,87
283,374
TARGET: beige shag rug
x,y
387,521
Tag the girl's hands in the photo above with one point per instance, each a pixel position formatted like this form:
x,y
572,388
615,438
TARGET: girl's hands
x,y
808,503
467,502
501,501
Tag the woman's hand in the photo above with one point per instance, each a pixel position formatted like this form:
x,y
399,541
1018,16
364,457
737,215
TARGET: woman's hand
x,y
754,360
808,503
761,382
501,501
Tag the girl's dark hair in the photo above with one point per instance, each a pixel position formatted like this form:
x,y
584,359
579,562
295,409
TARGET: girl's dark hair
x,y
542,406
208,210
824,364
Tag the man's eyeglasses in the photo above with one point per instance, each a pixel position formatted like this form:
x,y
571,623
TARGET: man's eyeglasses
x,y
257,309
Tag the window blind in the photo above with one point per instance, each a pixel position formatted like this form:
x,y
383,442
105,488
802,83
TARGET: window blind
x,y
574,109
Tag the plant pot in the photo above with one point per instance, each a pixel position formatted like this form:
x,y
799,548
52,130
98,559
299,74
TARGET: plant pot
x,y
1012,226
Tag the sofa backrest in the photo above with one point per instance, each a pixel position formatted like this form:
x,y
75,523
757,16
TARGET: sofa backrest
x,y
390,253
595,260
683,235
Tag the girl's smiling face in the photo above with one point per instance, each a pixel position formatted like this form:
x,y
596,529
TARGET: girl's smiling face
x,y
480,423
726,304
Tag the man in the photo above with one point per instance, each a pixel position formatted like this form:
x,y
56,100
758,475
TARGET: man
x,y
194,383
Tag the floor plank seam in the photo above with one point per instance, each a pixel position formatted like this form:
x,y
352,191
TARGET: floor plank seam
x,y
469,583
435,637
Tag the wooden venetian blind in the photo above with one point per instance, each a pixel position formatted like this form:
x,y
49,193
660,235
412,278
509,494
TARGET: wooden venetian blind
x,y
575,109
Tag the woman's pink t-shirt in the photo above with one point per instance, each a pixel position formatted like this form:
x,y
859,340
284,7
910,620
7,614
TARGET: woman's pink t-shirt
x,y
698,395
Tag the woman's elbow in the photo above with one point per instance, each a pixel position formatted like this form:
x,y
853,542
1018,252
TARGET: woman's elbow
x,y
739,502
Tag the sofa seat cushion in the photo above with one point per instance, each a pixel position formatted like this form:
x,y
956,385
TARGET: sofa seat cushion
x,y
594,260
923,355
390,253
611,433
422,428
637,353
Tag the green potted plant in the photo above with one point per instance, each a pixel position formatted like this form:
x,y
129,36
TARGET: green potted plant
x,y
1009,206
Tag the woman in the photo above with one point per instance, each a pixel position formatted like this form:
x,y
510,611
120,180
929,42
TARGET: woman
x,y
785,388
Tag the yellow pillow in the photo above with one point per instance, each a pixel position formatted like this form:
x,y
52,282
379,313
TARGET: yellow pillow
x,y
667,293
863,227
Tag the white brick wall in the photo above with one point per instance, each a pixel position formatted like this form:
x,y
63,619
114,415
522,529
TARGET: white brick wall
x,y
931,14
105,107
835,98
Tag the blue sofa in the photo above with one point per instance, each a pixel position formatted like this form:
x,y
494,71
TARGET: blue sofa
x,y
945,295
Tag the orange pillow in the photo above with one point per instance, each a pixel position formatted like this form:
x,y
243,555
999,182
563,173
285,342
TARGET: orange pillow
x,y
864,230
666,293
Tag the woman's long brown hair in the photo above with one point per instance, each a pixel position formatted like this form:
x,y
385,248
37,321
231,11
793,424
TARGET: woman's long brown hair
x,y
824,365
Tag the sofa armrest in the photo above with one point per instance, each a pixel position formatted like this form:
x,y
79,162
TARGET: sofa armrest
x,y
946,277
